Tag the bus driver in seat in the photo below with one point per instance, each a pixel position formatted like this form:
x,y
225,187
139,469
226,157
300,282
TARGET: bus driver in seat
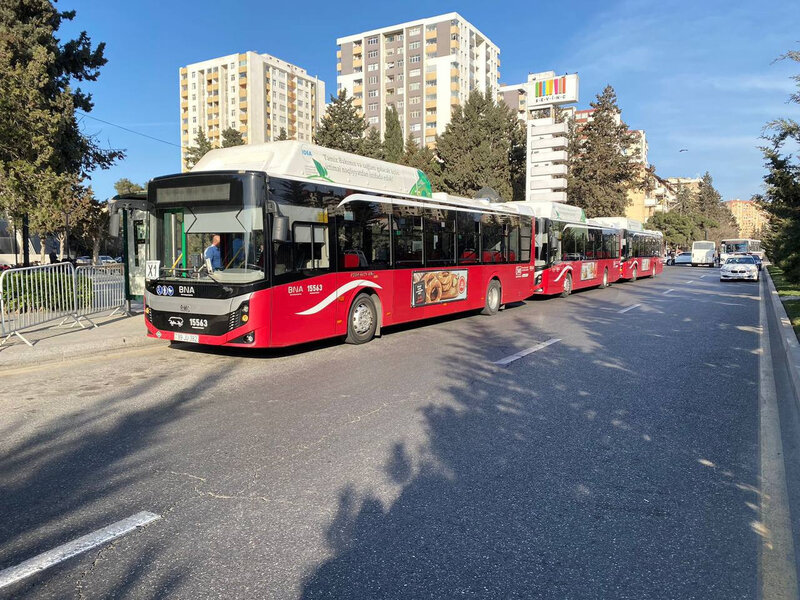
x,y
212,253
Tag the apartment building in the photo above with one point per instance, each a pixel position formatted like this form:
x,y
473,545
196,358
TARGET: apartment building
x,y
750,219
256,94
423,68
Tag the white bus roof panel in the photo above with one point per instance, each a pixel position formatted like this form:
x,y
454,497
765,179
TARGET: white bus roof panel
x,y
315,163
556,210
621,223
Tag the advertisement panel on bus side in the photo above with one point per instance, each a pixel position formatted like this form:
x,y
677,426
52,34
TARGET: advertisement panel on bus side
x,y
436,287
588,270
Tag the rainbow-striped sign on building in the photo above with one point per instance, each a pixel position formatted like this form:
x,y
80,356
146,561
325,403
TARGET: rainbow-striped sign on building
x,y
554,90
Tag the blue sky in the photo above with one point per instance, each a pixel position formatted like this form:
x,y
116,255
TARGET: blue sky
x,y
694,74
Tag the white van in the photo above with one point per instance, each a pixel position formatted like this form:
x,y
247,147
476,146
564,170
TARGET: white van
x,y
703,253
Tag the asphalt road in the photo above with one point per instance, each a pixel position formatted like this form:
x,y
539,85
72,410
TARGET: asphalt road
x,y
619,462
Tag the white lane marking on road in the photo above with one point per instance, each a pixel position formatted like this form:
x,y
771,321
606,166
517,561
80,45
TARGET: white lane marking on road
x,y
701,276
521,353
778,575
668,291
82,544
690,281
624,310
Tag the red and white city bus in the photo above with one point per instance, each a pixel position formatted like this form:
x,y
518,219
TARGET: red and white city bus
x,y
283,243
572,252
641,250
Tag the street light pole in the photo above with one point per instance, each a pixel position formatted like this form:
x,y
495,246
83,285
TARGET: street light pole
x,y
66,214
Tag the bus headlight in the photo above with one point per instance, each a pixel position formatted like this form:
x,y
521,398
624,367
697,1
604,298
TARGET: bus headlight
x,y
244,312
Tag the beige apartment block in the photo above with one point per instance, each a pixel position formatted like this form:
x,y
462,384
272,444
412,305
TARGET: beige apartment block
x,y
750,219
256,94
423,68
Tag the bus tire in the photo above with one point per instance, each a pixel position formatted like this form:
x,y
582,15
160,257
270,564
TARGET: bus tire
x,y
634,274
567,285
493,298
362,320
605,279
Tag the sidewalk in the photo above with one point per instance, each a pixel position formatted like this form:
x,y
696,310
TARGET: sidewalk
x,y
56,344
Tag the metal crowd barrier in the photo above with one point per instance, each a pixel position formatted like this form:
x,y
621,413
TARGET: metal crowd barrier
x,y
34,296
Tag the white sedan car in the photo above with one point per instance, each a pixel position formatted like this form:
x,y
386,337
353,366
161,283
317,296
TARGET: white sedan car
x,y
739,267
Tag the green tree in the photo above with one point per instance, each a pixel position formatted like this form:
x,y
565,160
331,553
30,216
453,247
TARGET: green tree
x,y
393,136
422,159
92,227
342,126
126,186
42,148
601,166
372,146
713,218
282,135
684,201
199,150
678,229
483,145
781,199
232,137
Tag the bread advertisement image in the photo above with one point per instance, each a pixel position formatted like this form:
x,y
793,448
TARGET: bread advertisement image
x,y
435,287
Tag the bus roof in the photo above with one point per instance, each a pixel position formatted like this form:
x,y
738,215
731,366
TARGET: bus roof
x,y
555,210
621,223
307,161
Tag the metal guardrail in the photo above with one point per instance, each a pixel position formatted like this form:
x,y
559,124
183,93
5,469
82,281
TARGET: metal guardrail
x,y
34,296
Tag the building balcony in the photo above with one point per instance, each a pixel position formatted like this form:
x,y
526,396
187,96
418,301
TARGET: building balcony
x,y
430,131
243,129
243,69
548,184
454,44
339,54
243,105
430,76
550,157
338,66
359,89
358,102
547,170
430,35
184,104
430,118
547,196
454,87
357,62
358,49
547,142
453,28
548,129
430,104
454,72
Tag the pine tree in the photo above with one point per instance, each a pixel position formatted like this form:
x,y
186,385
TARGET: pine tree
x,y
342,126
482,146
199,150
282,135
393,136
601,168
422,159
126,186
232,137
372,146
43,148
714,220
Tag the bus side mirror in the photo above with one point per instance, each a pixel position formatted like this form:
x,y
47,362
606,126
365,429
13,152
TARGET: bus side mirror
x,y
113,224
280,229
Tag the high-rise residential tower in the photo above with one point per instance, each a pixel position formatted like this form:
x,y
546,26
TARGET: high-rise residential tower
x,y
423,68
256,94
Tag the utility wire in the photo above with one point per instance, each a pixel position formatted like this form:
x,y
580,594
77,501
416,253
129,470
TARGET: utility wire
x,y
128,130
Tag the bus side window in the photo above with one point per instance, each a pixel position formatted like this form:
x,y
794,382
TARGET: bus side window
x,y
363,236
468,239
525,239
439,238
407,236
492,239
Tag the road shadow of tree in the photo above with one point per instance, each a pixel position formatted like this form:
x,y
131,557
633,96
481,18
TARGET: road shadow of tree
x,y
57,484
588,470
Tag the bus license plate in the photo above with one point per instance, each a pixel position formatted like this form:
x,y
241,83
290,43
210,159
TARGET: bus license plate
x,y
187,337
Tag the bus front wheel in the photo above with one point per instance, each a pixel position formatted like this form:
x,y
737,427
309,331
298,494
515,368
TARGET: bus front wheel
x,y
362,321
567,286
493,298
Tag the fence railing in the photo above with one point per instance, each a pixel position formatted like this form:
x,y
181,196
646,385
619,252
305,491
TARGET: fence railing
x,y
35,296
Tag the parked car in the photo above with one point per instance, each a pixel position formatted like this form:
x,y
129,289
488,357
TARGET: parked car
x,y
83,260
684,258
739,267
759,262
106,260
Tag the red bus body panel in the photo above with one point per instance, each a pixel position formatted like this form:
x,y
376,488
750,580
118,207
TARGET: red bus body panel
x,y
585,274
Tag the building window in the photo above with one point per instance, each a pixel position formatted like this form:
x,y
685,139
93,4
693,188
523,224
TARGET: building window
x,y
414,31
372,54
372,67
414,73
389,39
414,86
373,120
372,94
415,100
373,79
372,41
415,127
372,106
414,45
415,114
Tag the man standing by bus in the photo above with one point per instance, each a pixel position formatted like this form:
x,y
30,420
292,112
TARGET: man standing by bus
x,y
212,253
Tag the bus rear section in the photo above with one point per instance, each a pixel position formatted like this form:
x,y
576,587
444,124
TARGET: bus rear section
x,y
641,250
704,253
729,248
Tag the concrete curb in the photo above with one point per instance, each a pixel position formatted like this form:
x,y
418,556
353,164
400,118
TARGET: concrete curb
x,y
788,337
28,357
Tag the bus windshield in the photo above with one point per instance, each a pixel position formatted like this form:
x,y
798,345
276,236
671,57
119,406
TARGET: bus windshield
x,y
740,246
210,232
